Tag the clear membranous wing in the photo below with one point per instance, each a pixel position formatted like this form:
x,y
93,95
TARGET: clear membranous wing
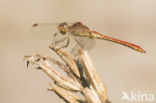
x,y
44,31
82,43
47,31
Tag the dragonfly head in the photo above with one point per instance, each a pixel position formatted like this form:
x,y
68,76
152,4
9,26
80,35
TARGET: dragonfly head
x,y
63,28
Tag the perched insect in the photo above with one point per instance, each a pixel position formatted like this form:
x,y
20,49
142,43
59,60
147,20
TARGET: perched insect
x,y
81,34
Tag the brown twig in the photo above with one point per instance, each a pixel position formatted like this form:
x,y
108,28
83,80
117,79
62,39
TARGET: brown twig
x,y
81,76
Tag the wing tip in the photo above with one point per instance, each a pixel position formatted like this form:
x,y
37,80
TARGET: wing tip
x,y
35,25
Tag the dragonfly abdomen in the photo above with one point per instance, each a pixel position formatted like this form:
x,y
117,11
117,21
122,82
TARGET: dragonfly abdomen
x,y
130,45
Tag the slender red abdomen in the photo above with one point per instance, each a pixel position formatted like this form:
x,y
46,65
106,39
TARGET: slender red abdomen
x,y
130,45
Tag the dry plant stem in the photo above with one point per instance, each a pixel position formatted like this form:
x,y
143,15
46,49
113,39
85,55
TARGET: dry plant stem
x,y
61,80
93,76
64,86
68,58
90,96
59,64
64,94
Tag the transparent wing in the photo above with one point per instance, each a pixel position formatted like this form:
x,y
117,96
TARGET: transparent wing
x,y
59,39
86,43
75,49
44,31
82,43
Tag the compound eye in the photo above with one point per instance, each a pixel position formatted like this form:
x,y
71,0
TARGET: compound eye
x,y
63,28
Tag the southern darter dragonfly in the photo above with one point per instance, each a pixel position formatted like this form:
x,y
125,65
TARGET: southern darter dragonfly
x,y
81,34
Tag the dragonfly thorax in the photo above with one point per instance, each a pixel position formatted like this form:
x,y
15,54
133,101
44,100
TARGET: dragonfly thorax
x,y
63,28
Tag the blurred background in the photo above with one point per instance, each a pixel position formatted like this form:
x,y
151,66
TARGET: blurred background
x,y
121,68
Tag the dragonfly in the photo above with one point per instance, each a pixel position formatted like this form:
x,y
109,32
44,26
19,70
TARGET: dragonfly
x,y
84,38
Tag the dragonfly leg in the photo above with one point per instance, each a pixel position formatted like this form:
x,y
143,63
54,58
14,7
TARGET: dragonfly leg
x,y
62,40
59,41
67,44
